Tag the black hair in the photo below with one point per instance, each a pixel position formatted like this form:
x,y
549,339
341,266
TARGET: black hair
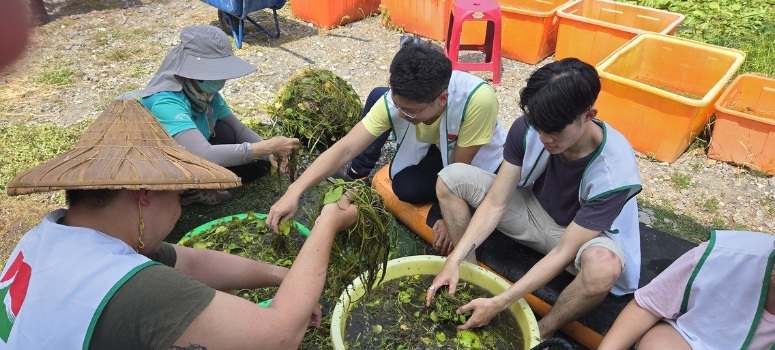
x,y
91,198
558,93
420,71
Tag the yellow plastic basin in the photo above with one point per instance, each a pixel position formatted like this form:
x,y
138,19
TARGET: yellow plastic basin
x,y
432,264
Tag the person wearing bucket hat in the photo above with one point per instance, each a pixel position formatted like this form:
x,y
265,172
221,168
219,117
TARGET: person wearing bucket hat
x,y
98,274
184,96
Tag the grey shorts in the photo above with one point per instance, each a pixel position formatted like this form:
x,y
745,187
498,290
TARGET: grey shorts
x,y
524,220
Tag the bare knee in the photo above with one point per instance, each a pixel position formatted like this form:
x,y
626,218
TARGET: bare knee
x,y
442,190
600,268
663,336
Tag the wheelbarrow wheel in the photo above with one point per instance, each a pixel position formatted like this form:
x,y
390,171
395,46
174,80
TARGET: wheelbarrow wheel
x,y
223,21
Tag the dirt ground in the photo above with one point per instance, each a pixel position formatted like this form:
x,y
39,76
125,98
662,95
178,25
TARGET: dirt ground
x,y
113,46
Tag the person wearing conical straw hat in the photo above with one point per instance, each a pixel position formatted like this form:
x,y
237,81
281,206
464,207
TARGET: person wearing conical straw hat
x,y
98,275
184,96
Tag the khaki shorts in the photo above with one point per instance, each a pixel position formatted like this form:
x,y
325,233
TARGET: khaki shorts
x,y
524,220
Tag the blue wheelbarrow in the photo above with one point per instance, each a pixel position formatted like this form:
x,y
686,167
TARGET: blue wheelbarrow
x,y
233,13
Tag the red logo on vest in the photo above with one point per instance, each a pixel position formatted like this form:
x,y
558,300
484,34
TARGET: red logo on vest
x,y
13,290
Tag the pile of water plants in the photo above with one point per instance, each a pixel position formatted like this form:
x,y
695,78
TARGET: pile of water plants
x,y
394,316
316,106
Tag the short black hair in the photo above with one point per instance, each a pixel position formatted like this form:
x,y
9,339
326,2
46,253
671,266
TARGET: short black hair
x,y
91,198
420,71
558,93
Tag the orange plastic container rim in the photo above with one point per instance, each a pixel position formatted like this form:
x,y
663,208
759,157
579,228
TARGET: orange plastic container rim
x,y
706,100
524,11
721,101
561,13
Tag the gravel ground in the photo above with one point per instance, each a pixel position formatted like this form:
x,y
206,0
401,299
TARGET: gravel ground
x,y
115,46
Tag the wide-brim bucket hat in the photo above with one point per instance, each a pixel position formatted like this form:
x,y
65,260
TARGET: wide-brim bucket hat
x,y
124,148
204,53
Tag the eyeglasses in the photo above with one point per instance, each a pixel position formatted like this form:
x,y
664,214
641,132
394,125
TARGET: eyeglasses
x,y
412,115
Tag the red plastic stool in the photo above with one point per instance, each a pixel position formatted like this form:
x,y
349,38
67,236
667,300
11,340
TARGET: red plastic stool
x,y
476,10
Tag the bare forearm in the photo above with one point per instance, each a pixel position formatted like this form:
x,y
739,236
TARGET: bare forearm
x,y
540,274
224,271
630,325
300,291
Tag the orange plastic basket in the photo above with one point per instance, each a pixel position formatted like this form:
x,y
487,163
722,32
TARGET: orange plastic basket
x,y
430,19
744,130
591,29
659,90
529,29
426,18
327,14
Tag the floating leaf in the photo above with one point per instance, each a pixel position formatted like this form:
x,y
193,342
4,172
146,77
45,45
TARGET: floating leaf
x,y
333,195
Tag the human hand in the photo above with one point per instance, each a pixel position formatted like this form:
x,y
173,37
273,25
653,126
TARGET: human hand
x,y
280,145
282,166
340,214
282,210
448,276
441,240
484,309
317,316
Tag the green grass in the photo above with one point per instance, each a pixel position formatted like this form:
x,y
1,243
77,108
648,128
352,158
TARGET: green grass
x,y
710,205
746,25
121,54
685,226
55,77
104,37
681,181
25,146
138,71
770,204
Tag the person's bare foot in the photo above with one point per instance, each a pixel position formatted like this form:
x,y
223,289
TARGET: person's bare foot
x,y
441,240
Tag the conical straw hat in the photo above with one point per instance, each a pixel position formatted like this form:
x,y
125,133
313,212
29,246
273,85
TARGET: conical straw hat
x,y
124,148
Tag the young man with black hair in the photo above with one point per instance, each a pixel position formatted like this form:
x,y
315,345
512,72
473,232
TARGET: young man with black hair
x,y
437,116
566,189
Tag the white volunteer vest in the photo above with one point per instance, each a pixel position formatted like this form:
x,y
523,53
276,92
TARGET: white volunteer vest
x,y
725,295
72,272
611,169
409,151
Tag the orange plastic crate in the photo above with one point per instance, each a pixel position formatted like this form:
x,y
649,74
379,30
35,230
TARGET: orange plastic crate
x,y
591,29
429,19
744,130
327,14
659,90
529,32
426,18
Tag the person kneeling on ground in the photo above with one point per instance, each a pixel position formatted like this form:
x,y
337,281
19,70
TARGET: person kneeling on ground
x,y
99,275
718,295
438,116
566,189
184,96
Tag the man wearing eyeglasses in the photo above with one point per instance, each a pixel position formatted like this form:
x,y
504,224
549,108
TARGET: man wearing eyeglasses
x,y
437,117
